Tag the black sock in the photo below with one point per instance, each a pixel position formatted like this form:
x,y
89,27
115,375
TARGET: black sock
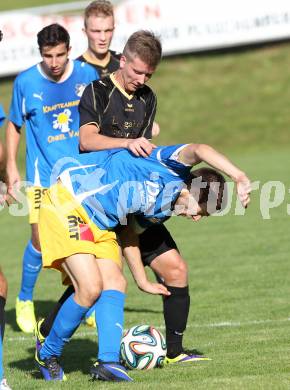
x,y
2,315
176,309
49,319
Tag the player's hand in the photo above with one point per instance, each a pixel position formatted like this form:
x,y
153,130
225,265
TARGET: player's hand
x,y
154,288
244,190
140,147
13,181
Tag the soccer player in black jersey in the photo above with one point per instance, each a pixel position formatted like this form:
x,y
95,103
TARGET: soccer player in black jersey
x,y
99,27
119,111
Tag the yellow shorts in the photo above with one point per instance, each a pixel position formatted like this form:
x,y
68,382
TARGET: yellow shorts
x,y
66,229
34,197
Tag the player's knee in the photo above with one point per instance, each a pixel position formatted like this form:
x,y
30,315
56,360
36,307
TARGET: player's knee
x,y
89,293
177,273
116,282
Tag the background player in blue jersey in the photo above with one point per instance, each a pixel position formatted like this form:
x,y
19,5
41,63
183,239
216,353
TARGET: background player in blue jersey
x,y
92,197
3,281
45,98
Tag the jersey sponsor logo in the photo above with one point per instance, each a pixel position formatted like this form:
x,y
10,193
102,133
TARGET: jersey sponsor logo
x,y
79,89
38,96
60,106
129,108
126,124
62,136
62,121
78,229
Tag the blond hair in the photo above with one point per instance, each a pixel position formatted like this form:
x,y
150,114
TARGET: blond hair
x,y
144,45
98,8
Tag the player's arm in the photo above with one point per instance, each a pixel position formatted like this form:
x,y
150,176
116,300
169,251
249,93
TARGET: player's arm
x,y
193,154
12,144
130,246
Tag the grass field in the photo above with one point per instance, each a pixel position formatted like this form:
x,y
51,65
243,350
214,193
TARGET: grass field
x,y
239,266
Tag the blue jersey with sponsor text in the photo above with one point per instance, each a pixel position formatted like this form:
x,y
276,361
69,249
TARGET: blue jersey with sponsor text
x,y
49,110
112,184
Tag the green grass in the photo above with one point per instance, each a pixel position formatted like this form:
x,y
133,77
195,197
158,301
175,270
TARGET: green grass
x,y
239,284
239,266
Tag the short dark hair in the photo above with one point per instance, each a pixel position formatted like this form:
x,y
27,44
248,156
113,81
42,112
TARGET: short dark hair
x,y
211,190
144,45
53,35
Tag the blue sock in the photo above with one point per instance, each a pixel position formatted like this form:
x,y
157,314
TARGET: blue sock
x,y
66,322
31,266
110,319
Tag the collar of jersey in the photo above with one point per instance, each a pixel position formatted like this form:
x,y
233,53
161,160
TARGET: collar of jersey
x,y
92,60
122,90
70,64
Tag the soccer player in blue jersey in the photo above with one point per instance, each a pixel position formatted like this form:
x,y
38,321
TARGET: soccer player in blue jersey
x,y
45,99
3,282
93,196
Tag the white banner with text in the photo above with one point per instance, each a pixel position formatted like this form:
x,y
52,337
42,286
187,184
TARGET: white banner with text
x,y
184,26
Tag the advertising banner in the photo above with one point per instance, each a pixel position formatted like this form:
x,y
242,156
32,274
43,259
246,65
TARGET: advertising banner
x,y
184,26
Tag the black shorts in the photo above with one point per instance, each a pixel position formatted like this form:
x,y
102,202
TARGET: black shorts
x,y
155,241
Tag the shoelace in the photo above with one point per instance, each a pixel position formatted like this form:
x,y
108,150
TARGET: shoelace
x,y
53,366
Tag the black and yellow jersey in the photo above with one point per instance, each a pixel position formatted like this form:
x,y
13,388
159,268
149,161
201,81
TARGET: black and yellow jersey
x,y
110,65
118,114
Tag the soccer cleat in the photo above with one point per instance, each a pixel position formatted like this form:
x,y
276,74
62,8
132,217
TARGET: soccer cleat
x,y
40,339
4,385
50,368
25,316
185,358
91,320
110,371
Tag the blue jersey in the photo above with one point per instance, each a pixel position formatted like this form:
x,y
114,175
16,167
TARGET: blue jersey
x,y
49,110
2,115
112,184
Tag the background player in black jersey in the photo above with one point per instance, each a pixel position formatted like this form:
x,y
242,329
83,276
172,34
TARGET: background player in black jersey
x,y
99,27
118,111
